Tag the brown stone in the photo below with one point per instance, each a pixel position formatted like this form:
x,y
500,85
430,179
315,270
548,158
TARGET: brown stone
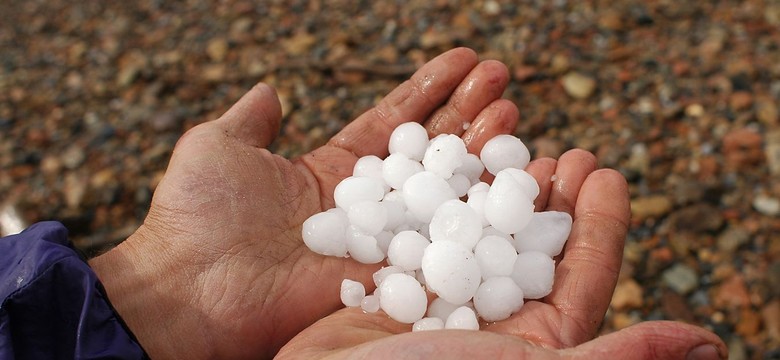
x,y
740,100
732,293
742,147
749,322
653,206
628,295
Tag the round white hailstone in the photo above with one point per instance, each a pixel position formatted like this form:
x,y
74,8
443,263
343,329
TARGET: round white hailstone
x,y
460,184
409,139
403,299
370,304
352,292
495,256
406,250
369,216
395,214
384,272
476,201
533,273
428,323
478,187
507,207
383,240
355,189
504,151
462,318
394,196
362,247
444,155
441,309
424,192
456,221
547,232
498,298
489,230
370,166
397,168
472,168
451,271
324,233
524,179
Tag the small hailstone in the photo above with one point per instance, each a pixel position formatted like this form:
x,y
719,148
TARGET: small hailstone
x,y
451,271
444,155
370,166
355,189
368,216
547,232
397,168
423,192
428,323
381,274
472,168
406,250
533,273
507,206
324,233
504,151
352,292
403,299
497,298
462,318
460,184
496,256
409,139
363,247
370,304
456,221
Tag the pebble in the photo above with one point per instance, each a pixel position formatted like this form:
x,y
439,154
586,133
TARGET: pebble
x,y
767,205
628,295
577,85
650,207
681,278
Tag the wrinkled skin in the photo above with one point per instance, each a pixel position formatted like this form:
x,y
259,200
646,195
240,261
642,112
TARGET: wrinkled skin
x,y
219,270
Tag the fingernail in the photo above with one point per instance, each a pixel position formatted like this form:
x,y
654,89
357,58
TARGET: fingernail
x,y
703,352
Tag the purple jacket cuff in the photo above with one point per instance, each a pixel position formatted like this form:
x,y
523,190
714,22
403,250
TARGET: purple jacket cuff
x,y
53,305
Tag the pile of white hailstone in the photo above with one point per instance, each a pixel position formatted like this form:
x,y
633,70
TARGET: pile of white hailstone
x,y
484,254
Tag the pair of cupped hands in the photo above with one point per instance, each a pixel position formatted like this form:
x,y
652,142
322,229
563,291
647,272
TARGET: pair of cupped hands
x,y
219,270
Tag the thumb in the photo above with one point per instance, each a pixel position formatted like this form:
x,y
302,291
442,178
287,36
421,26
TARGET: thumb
x,y
654,340
255,118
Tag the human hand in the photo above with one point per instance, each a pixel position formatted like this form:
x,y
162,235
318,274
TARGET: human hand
x,y
218,269
561,325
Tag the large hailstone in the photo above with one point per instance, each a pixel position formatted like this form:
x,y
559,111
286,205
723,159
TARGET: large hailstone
x,y
547,232
504,151
355,189
402,298
497,298
325,233
444,154
456,221
423,192
406,250
508,207
495,256
451,271
410,139
533,273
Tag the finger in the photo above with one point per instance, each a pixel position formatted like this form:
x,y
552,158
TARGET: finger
x,y
414,100
542,170
499,117
653,340
483,85
255,118
573,167
585,278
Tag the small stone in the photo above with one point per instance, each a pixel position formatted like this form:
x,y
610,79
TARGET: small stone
x,y
628,295
732,293
654,206
681,278
749,322
73,156
577,85
675,307
732,238
772,152
767,112
694,110
740,100
767,205
217,49
742,147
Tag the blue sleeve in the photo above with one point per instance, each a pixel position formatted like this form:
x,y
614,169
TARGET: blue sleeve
x,y
53,305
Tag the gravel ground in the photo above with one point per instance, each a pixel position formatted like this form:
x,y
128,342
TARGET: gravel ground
x,y
681,97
